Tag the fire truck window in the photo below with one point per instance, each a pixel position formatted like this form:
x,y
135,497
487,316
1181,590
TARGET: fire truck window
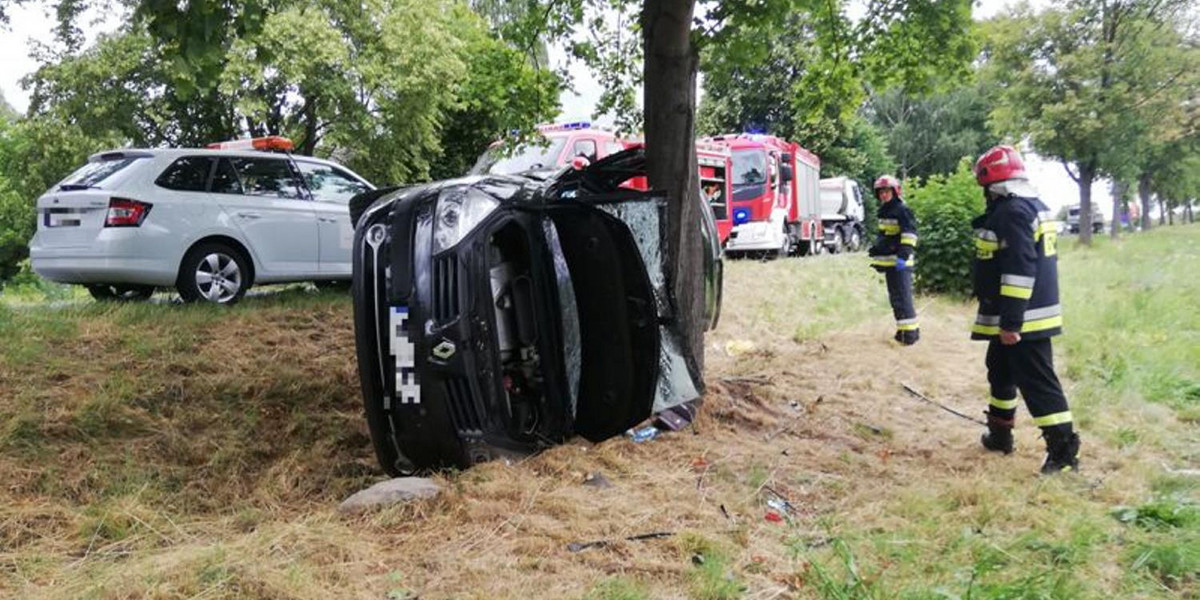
x,y
585,148
271,177
749,168
328,184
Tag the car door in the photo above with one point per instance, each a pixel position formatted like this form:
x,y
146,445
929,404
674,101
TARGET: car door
x,y
331,189
264,199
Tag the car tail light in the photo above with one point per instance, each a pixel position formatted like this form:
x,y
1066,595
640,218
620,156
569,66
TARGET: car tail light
x,y
123,212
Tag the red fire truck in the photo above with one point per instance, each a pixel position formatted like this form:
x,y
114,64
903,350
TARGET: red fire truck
x,y
563,142
567,142
774,208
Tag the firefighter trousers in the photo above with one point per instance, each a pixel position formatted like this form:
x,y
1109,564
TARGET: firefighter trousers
x,y
1027,366
900,294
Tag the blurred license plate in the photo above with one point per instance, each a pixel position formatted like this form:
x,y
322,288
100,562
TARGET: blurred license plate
x,y
63,217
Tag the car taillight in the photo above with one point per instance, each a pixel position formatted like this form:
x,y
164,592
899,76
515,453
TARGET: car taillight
x,y
123,212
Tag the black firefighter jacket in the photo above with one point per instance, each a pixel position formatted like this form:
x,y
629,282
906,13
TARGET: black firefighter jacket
x,y
897,235
1016,270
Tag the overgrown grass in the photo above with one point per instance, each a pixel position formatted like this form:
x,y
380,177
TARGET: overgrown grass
x,y
805,298
1132,322
1132,345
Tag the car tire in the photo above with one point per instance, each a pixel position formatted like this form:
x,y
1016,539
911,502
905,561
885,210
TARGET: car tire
x,y
105,292
213,272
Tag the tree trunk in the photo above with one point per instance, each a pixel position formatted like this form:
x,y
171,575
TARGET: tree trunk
x,y
1118,197
1087,174
1191,215
670,114
1144,196
309,144
1162,212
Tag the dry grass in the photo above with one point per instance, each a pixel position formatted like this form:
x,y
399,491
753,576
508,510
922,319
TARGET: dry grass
x,y
167,452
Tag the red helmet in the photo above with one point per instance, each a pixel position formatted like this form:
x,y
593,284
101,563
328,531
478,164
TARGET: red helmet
x,y
887,181
1001,163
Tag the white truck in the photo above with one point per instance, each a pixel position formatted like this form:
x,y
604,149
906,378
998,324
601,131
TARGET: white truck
x,y
842,214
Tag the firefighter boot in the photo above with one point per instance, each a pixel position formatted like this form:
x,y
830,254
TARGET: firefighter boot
x,y
909,337
999,437
1062,449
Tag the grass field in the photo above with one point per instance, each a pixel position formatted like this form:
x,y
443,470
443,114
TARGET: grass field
x,y
162,451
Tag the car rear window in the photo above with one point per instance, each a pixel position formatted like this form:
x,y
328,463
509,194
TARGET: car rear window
x,y
187,174
93,173
225,180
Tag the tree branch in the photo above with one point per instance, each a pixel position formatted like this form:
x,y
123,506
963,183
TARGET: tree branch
x,y
1067,166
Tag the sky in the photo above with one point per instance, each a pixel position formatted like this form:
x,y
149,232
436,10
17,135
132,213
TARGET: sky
x,y
32,23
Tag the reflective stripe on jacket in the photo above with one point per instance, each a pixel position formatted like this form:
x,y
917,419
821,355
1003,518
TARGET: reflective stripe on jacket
x,y
1016,270
897,235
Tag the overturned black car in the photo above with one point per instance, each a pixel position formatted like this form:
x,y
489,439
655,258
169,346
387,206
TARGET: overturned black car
x,y
498,315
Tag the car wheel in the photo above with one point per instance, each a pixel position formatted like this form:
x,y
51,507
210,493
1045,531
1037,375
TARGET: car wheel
x,y
104,292
213,273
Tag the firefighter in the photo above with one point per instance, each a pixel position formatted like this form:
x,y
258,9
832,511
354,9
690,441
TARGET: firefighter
x,y
1016,282
893,254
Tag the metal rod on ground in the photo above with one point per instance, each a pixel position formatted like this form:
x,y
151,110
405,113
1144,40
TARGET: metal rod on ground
x,y
914,392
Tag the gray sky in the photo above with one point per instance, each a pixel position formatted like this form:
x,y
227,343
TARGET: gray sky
x,y
31,23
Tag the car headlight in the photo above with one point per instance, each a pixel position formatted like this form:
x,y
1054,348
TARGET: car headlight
x,y
459,210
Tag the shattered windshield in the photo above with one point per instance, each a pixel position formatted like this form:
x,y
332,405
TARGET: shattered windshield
x,y
499,160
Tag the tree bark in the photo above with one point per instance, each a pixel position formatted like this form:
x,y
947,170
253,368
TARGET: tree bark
x,y
1144,197
670,113
1087,174
311,122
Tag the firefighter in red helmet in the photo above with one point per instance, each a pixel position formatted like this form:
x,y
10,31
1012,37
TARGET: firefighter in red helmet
x,y
1016,282
893,254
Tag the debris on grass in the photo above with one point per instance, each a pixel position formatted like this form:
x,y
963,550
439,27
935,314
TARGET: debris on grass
x,y
581,546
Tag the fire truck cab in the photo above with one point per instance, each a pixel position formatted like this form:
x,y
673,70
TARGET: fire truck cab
x,y
562,143
774,207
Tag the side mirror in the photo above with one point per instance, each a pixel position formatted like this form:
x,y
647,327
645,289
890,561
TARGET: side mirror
x,y
580,163
785,173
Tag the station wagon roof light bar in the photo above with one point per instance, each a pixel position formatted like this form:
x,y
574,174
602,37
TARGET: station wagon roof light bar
x,y
271,142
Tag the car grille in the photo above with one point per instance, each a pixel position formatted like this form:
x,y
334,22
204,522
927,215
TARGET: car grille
x,y
445,288
465,412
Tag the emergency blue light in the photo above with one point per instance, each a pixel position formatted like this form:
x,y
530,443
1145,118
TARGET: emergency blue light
x,y
740,216
566,126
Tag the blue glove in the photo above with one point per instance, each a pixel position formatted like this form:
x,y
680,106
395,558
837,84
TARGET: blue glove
x,y
901,264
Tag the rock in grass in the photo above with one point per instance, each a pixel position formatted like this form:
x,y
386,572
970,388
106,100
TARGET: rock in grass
x,y
392,491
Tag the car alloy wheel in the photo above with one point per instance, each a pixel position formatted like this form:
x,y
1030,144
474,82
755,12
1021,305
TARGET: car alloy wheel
x,y
218,277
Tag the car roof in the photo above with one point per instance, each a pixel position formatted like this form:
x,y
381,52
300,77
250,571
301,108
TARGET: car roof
x,y
177,152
